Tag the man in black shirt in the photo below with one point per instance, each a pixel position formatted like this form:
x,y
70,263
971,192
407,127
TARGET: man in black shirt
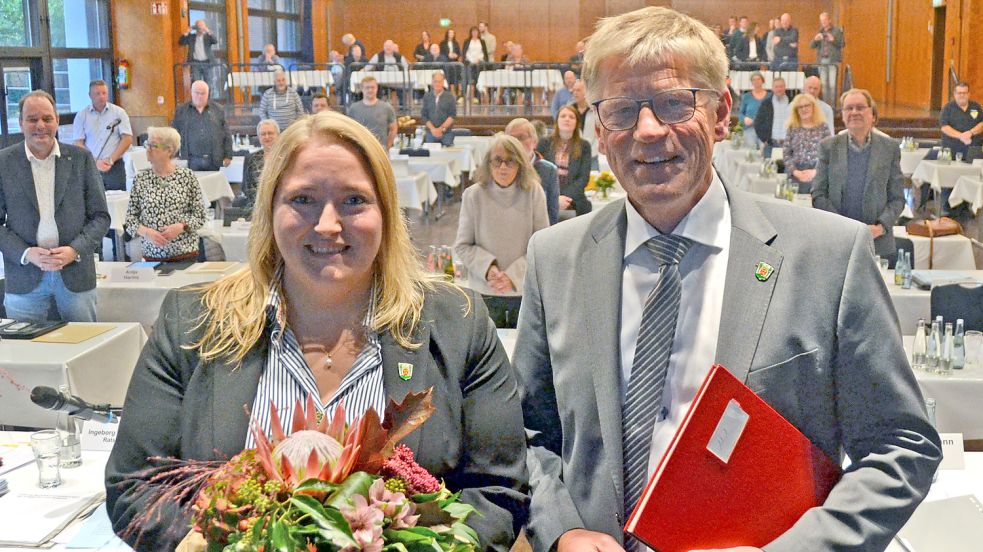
x,y
205,139
962,124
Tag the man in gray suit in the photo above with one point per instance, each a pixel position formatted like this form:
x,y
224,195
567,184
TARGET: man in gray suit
x,y
53,216
616,333
859,173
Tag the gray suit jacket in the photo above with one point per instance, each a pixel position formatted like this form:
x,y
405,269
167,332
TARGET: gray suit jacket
x,y
176,406
883,192
819,341
80,214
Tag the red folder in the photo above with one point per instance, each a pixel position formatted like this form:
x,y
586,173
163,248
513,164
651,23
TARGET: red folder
x,y
696,500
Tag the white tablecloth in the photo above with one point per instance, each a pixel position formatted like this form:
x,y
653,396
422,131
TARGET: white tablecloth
x,y
214,186
914,303
757,184
953,252
957,397
97,370
911,159
118,202
741,80
232,240
479,145
417,78
941,175
969,190
234,171
140,301
439,169
416,190
551,79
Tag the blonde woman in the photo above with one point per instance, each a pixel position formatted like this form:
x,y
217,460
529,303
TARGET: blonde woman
x,y
498,216
333,301
806,128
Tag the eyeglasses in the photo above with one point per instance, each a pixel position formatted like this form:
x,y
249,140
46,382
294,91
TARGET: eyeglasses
x,y
154,145
670,107
855,108
498,162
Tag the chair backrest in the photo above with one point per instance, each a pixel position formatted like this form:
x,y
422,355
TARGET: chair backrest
x,y
955,301
138,156
906,245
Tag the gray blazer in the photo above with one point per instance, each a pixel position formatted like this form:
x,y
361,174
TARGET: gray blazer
x,y
884,188
177,406
80,214
819,341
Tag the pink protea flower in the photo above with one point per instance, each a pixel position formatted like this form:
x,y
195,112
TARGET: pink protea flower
x,y
418,479
394,506
365,521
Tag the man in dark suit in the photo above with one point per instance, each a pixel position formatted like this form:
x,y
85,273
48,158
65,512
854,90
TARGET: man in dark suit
x,y
859,173
53,216
689,272
199,40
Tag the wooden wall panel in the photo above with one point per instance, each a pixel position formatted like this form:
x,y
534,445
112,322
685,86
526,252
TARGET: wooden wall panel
x,y
866,50
911,80
150,60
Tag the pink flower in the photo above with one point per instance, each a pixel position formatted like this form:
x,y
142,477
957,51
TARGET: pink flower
x,y
394,506
366,525
418,479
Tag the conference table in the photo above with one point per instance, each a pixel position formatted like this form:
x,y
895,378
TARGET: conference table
x,y
550,79
910,160
97,369
968,189
939,174
957,396
479,145
915,303
141,301
953,252
232,239
740,81
418,79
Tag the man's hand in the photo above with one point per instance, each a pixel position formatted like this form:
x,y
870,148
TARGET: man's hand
x,y
172,231
820,36
748,121
776,40
578,540
565,202
154,236
60,257
966,137
876,230
103,165
437,132
226,162
40,257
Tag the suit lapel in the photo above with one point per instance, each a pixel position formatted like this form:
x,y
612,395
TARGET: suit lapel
x,y
63,168
23,166
837,169
418,379
232,388
602,262
746,298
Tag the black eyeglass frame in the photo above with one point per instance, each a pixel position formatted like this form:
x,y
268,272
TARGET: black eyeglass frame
x,y
651,106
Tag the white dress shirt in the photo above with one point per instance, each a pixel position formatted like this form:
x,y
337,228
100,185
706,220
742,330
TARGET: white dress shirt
x,y
703,271
43,171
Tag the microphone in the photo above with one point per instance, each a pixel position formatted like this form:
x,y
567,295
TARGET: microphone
x,y
52,399
115,124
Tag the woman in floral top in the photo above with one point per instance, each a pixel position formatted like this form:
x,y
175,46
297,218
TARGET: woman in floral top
x,y
806,128
166,206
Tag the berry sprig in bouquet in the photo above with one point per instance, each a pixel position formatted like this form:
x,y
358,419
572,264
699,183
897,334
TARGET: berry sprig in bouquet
x,y
326,486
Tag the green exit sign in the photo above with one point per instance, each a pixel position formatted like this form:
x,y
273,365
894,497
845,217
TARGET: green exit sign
x,y
445,22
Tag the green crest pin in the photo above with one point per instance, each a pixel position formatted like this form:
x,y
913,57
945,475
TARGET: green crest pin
x,y
763,271
405,371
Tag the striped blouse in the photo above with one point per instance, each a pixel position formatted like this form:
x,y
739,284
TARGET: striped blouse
x,y
287,378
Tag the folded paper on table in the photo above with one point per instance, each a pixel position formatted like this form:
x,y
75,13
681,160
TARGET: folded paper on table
x,y
73,333
212,266
735,474
96,533
33,518
927,279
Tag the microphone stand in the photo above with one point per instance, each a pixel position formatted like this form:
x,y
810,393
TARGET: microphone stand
x,y
110,128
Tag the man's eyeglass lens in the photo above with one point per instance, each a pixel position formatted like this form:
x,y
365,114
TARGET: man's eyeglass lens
x,y
670,107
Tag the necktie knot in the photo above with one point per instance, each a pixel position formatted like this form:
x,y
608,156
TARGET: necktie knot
x,y
668,249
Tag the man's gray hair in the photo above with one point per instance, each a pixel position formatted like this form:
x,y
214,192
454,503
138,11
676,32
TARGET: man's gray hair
x,y
655,35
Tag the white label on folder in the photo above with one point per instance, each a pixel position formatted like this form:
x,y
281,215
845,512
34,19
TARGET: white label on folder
x,y
98,436
728,431
953,457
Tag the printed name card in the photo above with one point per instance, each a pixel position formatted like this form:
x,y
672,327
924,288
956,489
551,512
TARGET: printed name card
x,y
953,457
132,274
98,435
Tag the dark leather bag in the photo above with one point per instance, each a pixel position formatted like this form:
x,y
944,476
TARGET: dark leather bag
x,y
932,229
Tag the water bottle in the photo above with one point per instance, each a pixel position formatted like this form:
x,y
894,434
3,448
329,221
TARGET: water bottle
x,y
919,347
906,276
959,346
899,268
945,360
934,347
930,410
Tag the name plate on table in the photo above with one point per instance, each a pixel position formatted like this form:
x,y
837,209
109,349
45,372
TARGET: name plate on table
x,y
132,274
953,457
98,436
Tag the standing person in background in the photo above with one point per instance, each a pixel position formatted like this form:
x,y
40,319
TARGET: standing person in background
x,y
439,110
577,59
269,58
350,42
523,131
814,86
491,43
377,116
421,50
475,55
750,103
579,102
828,44
354,53
103,128
770,121
281,102
806,128
564,95
452,49
962,124
571,155
786,41
205,139
770,39
199,41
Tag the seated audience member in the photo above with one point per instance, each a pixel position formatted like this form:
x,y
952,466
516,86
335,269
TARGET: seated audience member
x,y
356,56
806,128
499,214
564,95
770,122
205,139
268,131
269,58
859,173
435,55
507,51
377,116
423,48
337,69
750,102
523,131
439,110
813,85
281,102
541,130
389,59
166,205
475,55
962,124
579,103
571,155
319,103
53,216
333,298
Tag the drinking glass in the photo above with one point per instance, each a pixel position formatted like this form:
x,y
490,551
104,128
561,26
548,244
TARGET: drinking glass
x,y
973,341
959,157
47,453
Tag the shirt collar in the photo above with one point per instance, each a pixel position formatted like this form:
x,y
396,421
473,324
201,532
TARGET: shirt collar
x,y
860,147
92,108
706,223
55,152
276,315
779,99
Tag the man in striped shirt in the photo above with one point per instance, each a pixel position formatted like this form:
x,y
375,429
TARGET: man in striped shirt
x,y
281,103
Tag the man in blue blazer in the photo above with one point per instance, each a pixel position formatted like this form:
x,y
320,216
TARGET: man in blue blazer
x,y
53,216
625,310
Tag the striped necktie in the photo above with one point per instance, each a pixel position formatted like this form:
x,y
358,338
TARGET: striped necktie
x,y
643,402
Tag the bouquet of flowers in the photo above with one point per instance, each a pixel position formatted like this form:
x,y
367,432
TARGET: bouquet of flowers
x,y
604,182
327,486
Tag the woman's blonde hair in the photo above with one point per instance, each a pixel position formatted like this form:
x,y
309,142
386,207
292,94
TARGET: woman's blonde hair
x,y
235,315
794,121
655,35
526,178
